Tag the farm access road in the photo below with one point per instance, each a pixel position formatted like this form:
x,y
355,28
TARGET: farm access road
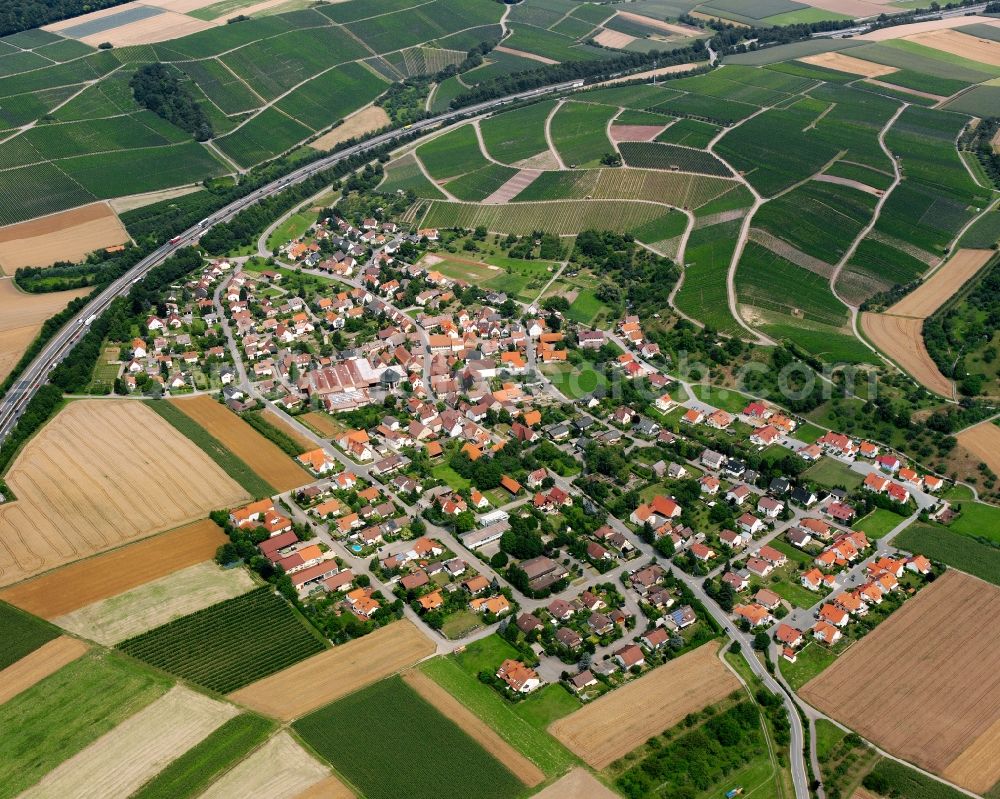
x,y
34,376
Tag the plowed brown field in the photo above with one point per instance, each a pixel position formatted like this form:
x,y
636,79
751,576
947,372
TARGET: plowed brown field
x,y
925,685
36,666
71,587
66,236
101,474
336,672
939,287
618,722
522,768
364,121
247,444
22,316
902,339
983,441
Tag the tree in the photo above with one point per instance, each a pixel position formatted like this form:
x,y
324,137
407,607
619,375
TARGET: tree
x,y
159,90
761,641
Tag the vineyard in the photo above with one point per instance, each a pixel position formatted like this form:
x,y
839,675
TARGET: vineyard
x,y
653,155
680,190
229,645
390,742
578,133
566,218
519,134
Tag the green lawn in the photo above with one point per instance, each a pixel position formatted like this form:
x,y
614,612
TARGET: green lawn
x,y
65,712
793,591
831,473
486,654
461,623
292,228
877,523
543,750
729,401
21,634
546,705
808,432
444,472
575,381
810,662
794,553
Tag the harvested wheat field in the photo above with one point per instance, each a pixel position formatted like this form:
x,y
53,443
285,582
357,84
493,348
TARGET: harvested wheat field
x,y
186,591
71,587
961,44
322,423
939,287
901,339
907,31
617,723
850,64
22,316
522,768
280,769
671,70
578,784
935,676
66,236
983,441
265,458
614,39
101,474
36,666
122,760
336,672
357,124
330,788
666,27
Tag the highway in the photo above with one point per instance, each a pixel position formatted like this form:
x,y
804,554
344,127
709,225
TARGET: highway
x,y
36,374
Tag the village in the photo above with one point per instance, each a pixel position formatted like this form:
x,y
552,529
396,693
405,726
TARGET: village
x,y
455,484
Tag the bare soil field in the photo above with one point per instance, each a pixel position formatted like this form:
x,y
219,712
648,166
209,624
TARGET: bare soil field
x,y
522,768
357,124
939,287
615,39
578,784
22,316
66,236
330,788
71,587
524,54
280,769
901,339
36,666
161,28
960,44
122,760
122,204
905,31
634,132
983,441
854,184
934,677
509,190
616,723
265,458
846,63
101,474
117,618
657,24
336,672
322,423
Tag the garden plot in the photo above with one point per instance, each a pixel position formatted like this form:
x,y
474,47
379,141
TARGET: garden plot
x,y
101,474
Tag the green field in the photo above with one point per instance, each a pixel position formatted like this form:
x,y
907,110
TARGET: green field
x,y
689,132
575,381
656,155
390,742
702,295
516,135
191,773
405,174
578,133
831,473
292,228
978,520
954,549
21,634
877,523
810,662
59,716
454,153
904,781
729,401
230,644
215,449
543,750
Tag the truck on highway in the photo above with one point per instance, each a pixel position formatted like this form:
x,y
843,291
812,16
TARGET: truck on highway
x,y
175,240
89,319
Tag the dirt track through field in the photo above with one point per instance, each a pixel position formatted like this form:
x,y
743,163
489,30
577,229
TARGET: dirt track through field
x,y
265,458
983,441
122,760
364,121
336,672
101,474
616,723
925,685
36,666
22,316
939,287
66,236
522,768
847,63
901,338
117,618
72,587
280,769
